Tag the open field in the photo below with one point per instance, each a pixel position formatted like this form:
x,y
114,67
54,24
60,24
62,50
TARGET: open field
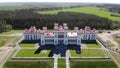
x,y
8,40
27,45
92,64
88,53
61,63
87,10
90,45
29,64
30,53
13,7
11,32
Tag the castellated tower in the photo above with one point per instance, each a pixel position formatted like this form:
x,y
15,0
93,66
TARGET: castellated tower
x,y
78,35
42,36
65,33
55,34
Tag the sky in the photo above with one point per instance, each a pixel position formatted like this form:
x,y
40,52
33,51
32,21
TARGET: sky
x,y
81,1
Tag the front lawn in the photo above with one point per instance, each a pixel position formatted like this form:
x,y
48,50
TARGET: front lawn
x,y
88,53
61,63
29,64
30,53
90,45
92,64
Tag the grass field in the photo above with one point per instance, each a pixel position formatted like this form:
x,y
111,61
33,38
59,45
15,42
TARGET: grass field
x,y
13,7
29,64
8,40
92,64
11,32
27,45
30,53
87,10
88,53
93,45
61,63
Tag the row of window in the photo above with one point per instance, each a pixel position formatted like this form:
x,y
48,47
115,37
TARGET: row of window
x,y
31,37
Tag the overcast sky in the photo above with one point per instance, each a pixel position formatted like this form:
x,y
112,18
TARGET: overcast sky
x,y
88,1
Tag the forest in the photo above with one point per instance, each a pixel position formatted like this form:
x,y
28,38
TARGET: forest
x,y
4,26
24,18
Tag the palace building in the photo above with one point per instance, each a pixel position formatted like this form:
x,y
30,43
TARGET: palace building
x,y
60,37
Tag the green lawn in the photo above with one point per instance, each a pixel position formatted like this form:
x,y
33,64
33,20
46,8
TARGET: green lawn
x,y
88,53
27,45
87,10
61,63
92,64
29,64
8,40
11,32
93,45
30,53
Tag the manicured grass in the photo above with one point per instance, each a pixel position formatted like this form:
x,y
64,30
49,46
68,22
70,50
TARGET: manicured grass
x,y
30,53
92,64
61,63
87,10
88,53
29,64
27,45
93,45
8,40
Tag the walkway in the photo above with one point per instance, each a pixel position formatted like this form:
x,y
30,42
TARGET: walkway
x,y
55,61
67,62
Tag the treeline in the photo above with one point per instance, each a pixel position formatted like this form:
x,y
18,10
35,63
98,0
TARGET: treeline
x,y
111,7
4,27
114,9
21,19
115,14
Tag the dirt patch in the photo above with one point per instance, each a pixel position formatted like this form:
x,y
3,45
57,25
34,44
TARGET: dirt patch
x,y
4,51
108,38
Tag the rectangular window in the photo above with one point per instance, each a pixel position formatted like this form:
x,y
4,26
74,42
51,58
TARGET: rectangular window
x,y
72,40
60,36
49,40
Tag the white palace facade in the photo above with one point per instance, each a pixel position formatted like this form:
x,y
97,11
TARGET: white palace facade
x,y
60,35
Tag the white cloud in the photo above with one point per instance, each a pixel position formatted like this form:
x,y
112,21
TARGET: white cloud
x,y
89,1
